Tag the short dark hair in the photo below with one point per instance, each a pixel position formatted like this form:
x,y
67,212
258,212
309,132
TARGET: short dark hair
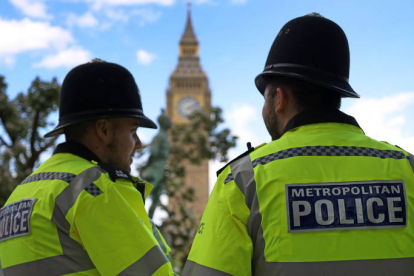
x,y
308,96
76,132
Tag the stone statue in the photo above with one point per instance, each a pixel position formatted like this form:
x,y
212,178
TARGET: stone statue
x,y
154,170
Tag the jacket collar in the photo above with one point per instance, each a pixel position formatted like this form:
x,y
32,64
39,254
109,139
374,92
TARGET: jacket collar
x,y
77,149
113,171
82,151
316,117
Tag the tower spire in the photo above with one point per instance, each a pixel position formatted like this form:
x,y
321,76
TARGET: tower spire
x,y
188,36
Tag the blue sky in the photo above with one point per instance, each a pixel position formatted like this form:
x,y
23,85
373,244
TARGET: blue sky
x,y
47,38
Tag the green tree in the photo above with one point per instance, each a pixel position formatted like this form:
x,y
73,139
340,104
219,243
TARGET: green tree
x,y
200,140
21,122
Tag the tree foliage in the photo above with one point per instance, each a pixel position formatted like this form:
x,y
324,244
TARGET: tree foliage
x,y
22,119
200,140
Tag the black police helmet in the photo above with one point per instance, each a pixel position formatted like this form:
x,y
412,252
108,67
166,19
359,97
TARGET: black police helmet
x,y
98,90
313,49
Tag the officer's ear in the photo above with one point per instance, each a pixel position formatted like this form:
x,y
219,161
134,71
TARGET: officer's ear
x,y
103,129
281,99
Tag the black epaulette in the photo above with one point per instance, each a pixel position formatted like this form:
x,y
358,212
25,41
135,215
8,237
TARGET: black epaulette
x,y
117,173
249,150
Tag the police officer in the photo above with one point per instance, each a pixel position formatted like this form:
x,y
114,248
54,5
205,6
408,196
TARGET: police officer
x,y
321,198
81,212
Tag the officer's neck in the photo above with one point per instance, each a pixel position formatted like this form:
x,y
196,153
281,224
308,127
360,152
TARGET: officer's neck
x,y
285,107
94,144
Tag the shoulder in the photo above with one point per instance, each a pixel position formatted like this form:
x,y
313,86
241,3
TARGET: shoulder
x,y
396,147
250,150
392,150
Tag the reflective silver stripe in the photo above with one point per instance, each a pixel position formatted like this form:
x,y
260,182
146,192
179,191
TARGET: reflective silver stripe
x,y
194,269
147,264
158,237
53,266
328,151
243,174
255,229
74,258
411,159
67,177
383,267
77,257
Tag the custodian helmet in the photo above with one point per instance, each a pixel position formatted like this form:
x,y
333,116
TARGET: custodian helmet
x,y
313,49
97,90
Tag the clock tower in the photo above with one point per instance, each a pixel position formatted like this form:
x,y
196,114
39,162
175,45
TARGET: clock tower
x,y
189,91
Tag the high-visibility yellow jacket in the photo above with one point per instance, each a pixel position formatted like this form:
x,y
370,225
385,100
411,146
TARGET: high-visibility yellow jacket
x,y
324,199
73,217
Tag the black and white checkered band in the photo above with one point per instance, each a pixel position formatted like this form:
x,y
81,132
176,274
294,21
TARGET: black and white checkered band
x,y
93,190
328,151
67,177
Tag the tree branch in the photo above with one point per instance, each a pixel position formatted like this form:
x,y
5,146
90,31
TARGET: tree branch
x,y
49,144
6,129
4,142
35,154
34,132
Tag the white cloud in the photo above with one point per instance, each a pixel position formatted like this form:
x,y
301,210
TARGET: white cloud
x,y
65,58
134,2
213,167
27,35
85,20
238,1
32,8
385,118
98,4
213,2
117,15
8,60
198,2
242,119
144,15
145,58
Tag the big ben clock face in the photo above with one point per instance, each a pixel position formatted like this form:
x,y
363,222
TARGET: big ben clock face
x,y
187,106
